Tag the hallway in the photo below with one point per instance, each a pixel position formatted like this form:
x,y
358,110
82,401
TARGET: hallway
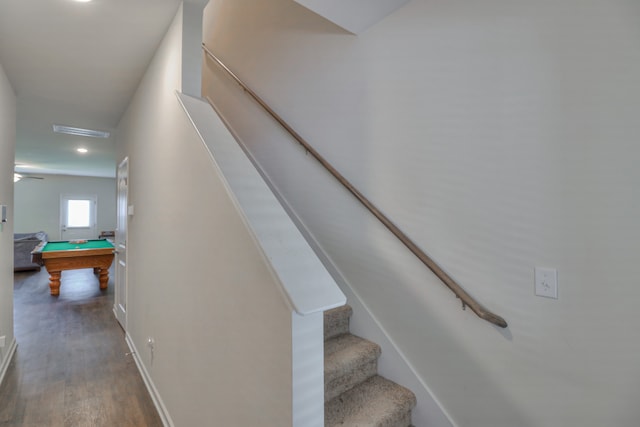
x,y
71,368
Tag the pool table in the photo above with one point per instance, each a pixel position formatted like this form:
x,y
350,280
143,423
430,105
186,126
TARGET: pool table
x,y
72,255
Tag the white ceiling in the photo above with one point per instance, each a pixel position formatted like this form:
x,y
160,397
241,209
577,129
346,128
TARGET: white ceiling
x,y
76,64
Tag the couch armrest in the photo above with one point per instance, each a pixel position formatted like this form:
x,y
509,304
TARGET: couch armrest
x,y
22,253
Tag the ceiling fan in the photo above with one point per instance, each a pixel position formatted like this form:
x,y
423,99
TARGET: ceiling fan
x,y
17,176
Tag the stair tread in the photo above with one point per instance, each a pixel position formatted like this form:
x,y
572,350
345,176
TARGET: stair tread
x,y
336,321
348,361
377,402
346,352
343,310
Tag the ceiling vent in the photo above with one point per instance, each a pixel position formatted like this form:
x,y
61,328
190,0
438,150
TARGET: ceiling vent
x,y
70,130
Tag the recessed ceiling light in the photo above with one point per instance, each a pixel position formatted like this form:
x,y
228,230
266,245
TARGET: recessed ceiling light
x,y
83,1
70,130
82,150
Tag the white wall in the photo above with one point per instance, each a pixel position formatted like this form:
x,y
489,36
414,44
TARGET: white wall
x,y
500,136
37,202
197,282
7,154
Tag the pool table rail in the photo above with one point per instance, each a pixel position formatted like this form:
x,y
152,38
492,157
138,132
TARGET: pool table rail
x,y
56,261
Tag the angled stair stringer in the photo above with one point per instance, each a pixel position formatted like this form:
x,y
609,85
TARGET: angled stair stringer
x,y
355,395
394,365
428,411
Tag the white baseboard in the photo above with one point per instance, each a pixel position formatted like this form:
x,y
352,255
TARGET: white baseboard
x,y
155,396
7,359
393,365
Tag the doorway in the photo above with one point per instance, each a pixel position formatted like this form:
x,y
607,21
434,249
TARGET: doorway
x,y
120,297
78,216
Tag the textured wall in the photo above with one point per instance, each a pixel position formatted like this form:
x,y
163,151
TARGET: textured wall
x,y
197,283
500,136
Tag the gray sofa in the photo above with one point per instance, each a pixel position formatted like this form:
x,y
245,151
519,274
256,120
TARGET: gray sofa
x,y
23,244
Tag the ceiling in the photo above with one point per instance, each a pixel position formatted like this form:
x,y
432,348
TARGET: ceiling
x,y
76,64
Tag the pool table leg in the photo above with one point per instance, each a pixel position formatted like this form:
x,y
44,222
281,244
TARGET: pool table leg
x,y
54,282
104,278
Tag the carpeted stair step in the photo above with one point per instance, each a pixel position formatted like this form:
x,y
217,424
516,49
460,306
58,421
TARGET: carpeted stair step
x,y
355,396
348,361
336,321
377,402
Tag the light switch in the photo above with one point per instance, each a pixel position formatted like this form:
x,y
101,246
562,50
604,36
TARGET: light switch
x,y
546,282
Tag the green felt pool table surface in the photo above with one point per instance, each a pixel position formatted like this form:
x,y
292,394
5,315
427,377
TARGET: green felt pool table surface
x,y
66,246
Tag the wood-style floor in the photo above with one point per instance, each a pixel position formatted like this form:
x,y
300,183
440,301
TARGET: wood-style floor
x,y
71,368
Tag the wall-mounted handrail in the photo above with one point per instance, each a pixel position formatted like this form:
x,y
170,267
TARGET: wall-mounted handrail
x,y
467,300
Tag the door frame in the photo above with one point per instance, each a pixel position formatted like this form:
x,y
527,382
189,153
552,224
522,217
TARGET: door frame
x,y
94,212
120,242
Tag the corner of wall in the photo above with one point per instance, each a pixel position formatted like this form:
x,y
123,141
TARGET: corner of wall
x,y
354,16
191,48
7,156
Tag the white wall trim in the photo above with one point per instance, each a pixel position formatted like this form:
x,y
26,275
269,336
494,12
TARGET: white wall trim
x,y
393,364
153,391
305,280
429,411
7,360
307,370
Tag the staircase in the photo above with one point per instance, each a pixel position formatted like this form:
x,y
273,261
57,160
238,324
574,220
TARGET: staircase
x,y
354,394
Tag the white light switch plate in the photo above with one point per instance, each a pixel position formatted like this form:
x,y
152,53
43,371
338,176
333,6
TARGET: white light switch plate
x,y
546,280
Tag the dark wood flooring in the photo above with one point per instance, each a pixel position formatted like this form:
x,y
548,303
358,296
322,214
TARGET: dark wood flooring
x,y
70,368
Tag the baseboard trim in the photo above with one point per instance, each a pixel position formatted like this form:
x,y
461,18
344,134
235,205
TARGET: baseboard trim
x,y
7,359
148,382
395,365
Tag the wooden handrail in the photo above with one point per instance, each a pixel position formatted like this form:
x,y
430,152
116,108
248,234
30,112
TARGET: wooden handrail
x,y
467,300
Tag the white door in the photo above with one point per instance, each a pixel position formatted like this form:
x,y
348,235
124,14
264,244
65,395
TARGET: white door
x,y
120,297
78,216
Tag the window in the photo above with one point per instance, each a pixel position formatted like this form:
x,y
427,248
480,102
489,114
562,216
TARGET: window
x,y
78,213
